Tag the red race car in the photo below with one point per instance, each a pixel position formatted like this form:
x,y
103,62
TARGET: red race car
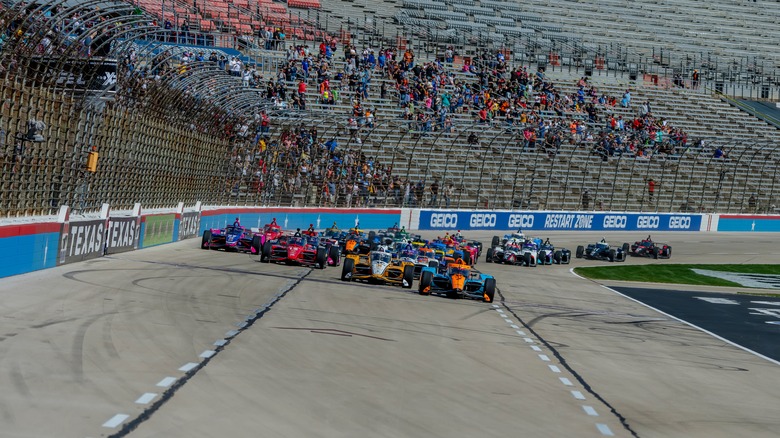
x,y
270,232
294,250
648,248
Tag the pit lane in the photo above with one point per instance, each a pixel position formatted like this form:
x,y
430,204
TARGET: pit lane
x,y
86,342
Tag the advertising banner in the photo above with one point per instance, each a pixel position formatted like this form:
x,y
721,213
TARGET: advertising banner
x,y
755,223
189,225
157,229
123,234
81,241
508,220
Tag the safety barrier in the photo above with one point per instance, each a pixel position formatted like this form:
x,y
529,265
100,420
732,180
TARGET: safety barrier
x,y
38,243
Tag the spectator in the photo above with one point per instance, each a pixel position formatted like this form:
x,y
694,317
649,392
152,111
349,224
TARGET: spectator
x,y
448,192
434,192
651,188
585,200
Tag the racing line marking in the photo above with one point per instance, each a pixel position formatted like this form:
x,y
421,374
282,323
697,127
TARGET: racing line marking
x,y
146,398
166,382
116,420
207,354
187,367
589,410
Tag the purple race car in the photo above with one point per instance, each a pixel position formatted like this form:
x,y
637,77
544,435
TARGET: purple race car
x,y
232,238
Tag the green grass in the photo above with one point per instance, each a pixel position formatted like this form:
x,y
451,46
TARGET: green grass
x,y
678,274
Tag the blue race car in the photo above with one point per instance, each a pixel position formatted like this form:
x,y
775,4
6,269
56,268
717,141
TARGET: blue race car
x,y
458,281
232,238
602,251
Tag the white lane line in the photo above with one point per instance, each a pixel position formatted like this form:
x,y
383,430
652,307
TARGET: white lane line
x,y
166,382
146,398
496,306
755,353
241,324
187,367
508,321
590,411
520,332
554,368
544,357
220,343
116,420
578,395
207,354
529,340
535,348
500,310
566,381
514,326
231,333
604,429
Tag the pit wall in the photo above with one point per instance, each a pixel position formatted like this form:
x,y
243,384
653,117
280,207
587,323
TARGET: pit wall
x,y
30,244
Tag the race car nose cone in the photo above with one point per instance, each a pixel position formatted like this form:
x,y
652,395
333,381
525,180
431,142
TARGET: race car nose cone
x,y
457,282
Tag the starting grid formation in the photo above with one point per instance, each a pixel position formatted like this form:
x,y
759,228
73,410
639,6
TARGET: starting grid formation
x,y
30,244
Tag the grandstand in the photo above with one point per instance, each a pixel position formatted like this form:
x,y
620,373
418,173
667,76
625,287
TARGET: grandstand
x,y
169,128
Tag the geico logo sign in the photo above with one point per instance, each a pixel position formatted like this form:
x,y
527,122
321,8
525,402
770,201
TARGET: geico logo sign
x,y
444,220
676,222
520,221
648,221
482,220
612,221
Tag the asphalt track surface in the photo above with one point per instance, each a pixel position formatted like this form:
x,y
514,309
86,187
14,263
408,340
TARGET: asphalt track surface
x,y
175,341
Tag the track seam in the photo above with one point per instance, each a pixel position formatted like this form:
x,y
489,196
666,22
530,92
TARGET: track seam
x,y
566,365
171,391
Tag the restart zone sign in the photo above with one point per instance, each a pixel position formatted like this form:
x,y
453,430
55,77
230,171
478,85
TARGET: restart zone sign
x,y
497,220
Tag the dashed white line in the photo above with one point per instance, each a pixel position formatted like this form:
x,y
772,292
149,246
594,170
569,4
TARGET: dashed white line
x,y
116,420
566,381
544,357
187,367
500,310
554,368
496,306
231,333
604,429
166,382
146,398
220,343
529,340
520,332
514,326
207,354
535,348
578,395
590,411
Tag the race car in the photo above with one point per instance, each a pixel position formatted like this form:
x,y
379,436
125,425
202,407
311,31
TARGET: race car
x,y
648,248
232,238
458,281
378,267
425,257
271,231
549,255
602,251
294,250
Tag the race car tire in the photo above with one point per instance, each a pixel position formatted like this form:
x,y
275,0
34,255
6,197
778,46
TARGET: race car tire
x,y
426,280
335,255
489,255
433,264
256,245
206,242
580,251
495,242
467,257
408,277
321,258
527,259
626,248
265,256
611,255
621,257
655,252
371,236
373,245
669,252
566,257
349,266
490,289
557,257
